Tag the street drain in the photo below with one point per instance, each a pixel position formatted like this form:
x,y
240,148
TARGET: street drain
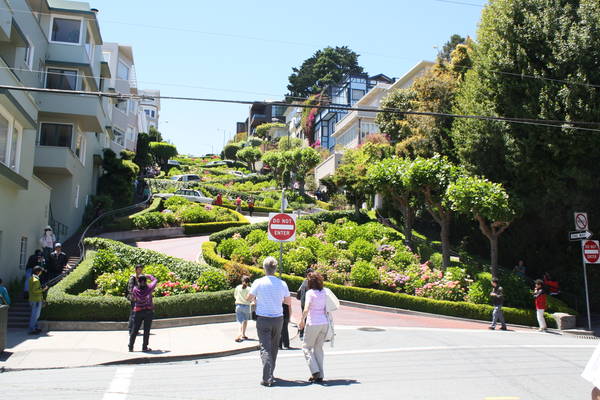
x,y
371,329
589,337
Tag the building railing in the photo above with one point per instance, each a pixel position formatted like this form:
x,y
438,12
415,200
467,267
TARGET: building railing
x,y
61,231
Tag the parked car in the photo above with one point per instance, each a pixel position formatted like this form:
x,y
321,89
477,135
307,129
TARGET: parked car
x,y
237,173
174,163
185,178
191,195
215,164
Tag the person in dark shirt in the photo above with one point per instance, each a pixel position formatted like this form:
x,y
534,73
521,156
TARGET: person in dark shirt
x,y
57,261
497,296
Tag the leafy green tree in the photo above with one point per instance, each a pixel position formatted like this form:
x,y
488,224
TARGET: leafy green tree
x,y
263,130
117,179
431,177
304,160
143,158
552,170
395,125
388,176
449,46
289,143
276,161
230,151
249,155
162,152
155,135
325,67
488,203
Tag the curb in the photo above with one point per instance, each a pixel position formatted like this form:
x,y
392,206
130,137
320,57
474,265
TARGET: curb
x,y
122,325
147,360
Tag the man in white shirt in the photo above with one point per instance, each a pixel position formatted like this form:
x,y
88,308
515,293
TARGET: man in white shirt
x,y
270,293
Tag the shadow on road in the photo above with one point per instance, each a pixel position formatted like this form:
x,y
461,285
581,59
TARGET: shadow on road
x,y
332,382
340,382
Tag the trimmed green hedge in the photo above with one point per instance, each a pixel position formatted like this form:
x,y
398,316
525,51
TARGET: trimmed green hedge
x,y
323,205
65,305
126,223
209,227
397,300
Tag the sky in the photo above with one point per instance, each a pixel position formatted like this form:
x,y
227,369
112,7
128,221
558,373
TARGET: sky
x,y
245,50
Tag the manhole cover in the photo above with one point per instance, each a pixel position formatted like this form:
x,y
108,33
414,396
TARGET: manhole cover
x,y
371,329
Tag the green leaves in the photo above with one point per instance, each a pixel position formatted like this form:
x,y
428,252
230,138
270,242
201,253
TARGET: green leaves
x,y
471,195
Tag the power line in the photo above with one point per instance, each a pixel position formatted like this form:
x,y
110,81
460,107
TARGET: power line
x,y
461,3
536,122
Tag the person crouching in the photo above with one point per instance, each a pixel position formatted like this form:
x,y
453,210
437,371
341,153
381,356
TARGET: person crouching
x,y
143,310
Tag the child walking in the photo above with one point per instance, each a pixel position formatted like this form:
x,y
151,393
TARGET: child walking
x,y
540,304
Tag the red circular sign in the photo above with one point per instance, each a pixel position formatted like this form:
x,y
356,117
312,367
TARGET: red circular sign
x,y
282,227
591,251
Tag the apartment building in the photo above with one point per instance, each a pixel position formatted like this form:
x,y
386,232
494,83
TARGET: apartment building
x,y
50,144
124,115
149,107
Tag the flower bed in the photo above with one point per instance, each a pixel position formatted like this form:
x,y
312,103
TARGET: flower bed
x,y
95,289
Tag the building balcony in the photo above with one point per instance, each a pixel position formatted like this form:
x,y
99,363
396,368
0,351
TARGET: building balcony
x,y
55,160
350,119
67,54
85,111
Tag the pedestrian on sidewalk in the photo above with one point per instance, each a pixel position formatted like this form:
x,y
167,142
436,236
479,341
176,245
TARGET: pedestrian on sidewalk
x,y
591,373
301,295
57,261
315,324
251,205
47,241
270,293
132,283
219,199
497,296
4,297
238,204
242,306
541,304
143,310
36,259
36,297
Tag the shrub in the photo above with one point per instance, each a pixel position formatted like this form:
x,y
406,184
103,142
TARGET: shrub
x,y
114,283
306,226
106,261
195,214
265,247
327,252
174,201
227,246
235,272
209,227
436,260
255,237
242,254
362,249
213,280
151,220
298,260
311,243
363,274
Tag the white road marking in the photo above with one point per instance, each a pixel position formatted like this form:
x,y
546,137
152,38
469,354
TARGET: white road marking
x,y
119,386
425,348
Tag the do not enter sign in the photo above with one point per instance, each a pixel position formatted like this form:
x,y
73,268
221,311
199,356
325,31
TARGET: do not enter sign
x,y
282,227
591,251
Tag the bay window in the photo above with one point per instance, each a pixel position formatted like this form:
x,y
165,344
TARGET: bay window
x,y
56,135
66,30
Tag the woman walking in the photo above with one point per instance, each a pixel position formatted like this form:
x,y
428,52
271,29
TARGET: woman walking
x,y
143,309
242,306
315,324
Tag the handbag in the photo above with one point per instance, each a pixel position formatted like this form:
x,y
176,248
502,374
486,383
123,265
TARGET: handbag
x,y
332,303
253,312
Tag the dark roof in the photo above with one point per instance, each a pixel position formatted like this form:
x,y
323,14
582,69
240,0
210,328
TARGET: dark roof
x,y
382,78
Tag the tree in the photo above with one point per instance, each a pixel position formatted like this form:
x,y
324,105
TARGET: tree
x,y
162,152
488,203
155,135
552,170
395,125
117,179
389,177
143,158
325,67
304,160
289,143
431,177
263,130
275,160
249,155
449,46
230,151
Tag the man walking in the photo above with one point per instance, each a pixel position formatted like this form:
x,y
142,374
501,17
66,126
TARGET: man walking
x,y
497,297
270,293
57,261
36,293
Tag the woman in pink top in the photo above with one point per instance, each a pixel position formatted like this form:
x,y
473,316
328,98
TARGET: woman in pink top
x,y
315,324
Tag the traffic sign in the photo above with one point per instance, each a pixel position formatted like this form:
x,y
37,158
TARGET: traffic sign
x,y
581,221
591,251
579,235
282,227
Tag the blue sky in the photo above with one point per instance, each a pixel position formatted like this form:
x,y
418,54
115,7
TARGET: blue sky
x,y
245,50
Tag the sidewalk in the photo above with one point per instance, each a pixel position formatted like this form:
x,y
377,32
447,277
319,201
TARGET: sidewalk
x,y
67,349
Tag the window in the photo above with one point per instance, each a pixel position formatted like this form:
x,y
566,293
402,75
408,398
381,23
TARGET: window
x,y
76,196
357,94
121,105
59,78
78,145
119,137
152,113
66,30
15,148
147,112
28,57
4,135
23,253
122,71
56,135
106,55
89,46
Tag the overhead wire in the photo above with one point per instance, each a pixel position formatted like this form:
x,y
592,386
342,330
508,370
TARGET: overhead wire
x,y
120,96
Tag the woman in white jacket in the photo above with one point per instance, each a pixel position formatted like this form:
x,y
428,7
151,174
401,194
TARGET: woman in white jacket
x,y
47,241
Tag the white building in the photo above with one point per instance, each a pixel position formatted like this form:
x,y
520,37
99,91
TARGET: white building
x,y
149,110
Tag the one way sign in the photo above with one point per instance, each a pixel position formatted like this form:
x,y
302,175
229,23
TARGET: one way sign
x,y
579,235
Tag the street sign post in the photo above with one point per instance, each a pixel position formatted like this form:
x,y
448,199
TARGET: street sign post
x,y
581,221
579,235
590,250
282,228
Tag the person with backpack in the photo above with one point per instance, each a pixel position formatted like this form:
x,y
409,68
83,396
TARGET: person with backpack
x,y
315,323
143,309
539,294
497,296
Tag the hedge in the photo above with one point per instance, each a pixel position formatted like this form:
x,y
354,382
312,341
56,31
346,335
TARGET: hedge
x,y
395,300
317,218
65,305
323,205
126,223
209,227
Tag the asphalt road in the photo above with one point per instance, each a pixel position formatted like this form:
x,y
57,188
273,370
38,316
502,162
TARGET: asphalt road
x,y
376,363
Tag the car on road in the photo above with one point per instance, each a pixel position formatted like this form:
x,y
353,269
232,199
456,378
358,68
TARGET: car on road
x,y
191,195
186,178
